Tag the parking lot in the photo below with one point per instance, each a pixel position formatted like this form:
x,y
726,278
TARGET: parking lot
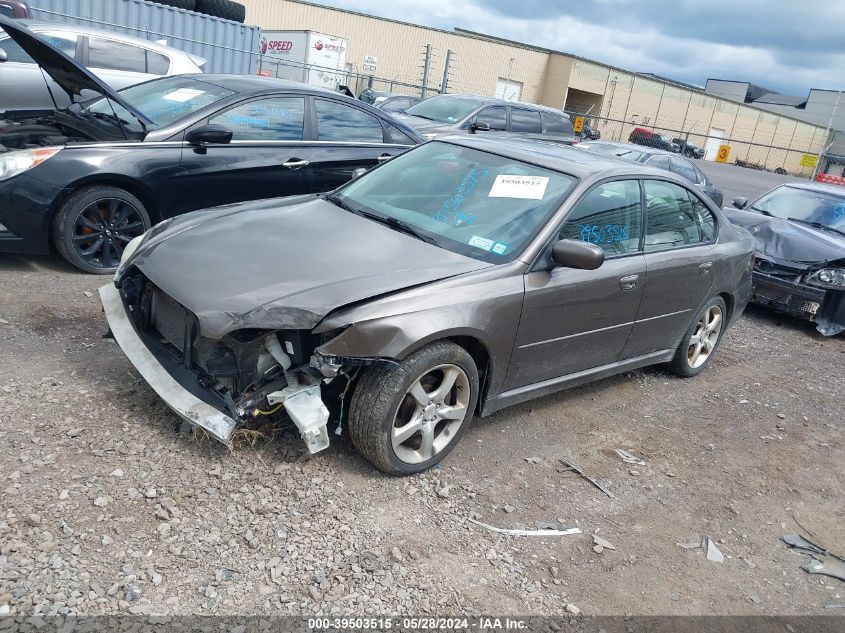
x,y
109,508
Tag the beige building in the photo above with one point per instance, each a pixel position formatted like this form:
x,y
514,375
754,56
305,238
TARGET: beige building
x,y
616,99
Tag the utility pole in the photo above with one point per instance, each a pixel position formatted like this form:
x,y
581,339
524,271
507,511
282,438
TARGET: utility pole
x,y
426,68
444,84
827,133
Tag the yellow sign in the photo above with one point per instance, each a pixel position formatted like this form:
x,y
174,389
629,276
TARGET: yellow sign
x,y
578,126
723,153
809,160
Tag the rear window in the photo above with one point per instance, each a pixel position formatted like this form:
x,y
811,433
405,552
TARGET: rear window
x,y
113,55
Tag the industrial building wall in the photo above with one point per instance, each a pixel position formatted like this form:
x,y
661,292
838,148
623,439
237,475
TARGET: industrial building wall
x,y
476,65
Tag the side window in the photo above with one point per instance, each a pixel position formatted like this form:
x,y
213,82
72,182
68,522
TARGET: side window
x,y
66,42
157,64
610,216
395,135
111,55
670,219
705,219
396,105
525,121
338,122
685,170
659,162
496,116
555,124
6,10
276,119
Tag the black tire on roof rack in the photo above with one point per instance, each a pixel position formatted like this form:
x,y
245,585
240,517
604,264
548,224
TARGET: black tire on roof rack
x,y
225,9
190,5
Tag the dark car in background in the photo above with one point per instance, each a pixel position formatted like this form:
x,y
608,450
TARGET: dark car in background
x,y
474,114
661,160
90,177
464,276
689,149
800,261
650,138
388,101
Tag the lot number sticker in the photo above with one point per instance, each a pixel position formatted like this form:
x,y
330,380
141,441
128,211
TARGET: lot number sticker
x,y
578,126
724,152
524,187
481,242
183,94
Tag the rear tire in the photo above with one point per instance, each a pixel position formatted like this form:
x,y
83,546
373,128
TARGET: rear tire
x,y
701,339
225,9
407,418
95,224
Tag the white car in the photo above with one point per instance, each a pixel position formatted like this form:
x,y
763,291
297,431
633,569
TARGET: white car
x,y
119,60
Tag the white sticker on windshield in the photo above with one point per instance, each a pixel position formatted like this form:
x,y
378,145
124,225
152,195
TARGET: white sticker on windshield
x,y
183,94
525,187
481,242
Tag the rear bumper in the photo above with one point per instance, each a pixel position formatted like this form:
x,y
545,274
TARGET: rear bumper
x,y
825,308
184,403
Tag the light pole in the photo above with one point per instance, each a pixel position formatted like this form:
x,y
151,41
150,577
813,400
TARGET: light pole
x,y
508,79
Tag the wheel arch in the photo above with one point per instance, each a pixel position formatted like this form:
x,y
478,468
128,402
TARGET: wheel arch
x,y
130,185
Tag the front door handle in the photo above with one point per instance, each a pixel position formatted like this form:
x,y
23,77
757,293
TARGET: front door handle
x,y
629,282
384,157
295,163
705,268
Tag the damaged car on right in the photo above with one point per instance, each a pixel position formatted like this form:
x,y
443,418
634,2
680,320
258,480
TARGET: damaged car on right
x,y
800,261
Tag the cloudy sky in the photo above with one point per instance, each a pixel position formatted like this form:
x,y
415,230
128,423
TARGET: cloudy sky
x,y
785,45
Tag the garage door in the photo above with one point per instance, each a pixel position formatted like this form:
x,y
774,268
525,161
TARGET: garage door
x,y
508,89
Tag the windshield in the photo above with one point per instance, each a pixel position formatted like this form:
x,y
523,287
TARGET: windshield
x,y
164,101
467,201
805,205
614,150
444,109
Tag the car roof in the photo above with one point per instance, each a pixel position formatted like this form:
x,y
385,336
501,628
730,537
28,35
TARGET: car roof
x,y
38,26
821,187
643,149
556,156
255,83
482,100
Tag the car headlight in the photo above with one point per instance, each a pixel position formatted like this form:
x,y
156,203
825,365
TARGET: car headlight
x,y
17,162
130,248
828,278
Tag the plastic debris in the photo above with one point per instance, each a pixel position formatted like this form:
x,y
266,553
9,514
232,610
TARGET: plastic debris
x,y
713,553
603,543
565,532
588,478
628,458
823,561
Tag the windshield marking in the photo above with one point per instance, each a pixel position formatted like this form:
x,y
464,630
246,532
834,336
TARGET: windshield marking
x,y
453,203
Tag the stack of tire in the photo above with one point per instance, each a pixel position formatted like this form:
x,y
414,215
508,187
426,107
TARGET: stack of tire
x,y
225,9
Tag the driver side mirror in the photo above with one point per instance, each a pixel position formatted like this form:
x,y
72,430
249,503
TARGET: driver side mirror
x,y
209,135
357,173
3,56
740,202
577,254
481,126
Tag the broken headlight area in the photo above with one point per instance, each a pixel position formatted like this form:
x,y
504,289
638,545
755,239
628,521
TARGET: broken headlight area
x,y
246,374
829,278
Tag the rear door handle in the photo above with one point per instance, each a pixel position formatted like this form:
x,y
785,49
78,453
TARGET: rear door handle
x,y
629,282
705,268
295,163
384,157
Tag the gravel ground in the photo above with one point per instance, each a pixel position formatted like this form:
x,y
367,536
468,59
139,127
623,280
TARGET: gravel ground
x,y
108,508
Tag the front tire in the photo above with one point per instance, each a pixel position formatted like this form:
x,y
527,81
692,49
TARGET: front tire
x,y
405,419
701,340
94,225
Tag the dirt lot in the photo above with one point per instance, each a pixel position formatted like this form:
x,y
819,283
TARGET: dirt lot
x,y
107,508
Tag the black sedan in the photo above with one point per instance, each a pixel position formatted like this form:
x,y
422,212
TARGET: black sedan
x,y
800,263
91,177
660,159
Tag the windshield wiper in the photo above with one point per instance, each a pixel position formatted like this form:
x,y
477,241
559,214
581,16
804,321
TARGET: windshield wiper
x,y
393,223
763,211
816,225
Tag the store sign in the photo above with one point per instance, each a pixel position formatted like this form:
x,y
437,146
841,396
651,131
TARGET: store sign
x,y
274,46
370,62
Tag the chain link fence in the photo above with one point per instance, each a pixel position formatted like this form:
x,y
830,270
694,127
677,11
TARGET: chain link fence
x,y
796,158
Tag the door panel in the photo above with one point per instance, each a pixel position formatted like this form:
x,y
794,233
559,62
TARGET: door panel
x,y
680,266
572,319
575,319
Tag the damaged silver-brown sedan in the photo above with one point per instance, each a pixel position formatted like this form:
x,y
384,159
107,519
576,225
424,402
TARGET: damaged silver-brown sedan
x,y
464,276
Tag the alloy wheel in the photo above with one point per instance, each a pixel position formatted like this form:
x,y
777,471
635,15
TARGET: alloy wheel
x,y
704,337
102,230
430,414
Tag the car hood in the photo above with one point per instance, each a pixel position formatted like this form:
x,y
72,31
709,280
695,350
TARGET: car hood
x,y
789,241
69,74
284,264
423,126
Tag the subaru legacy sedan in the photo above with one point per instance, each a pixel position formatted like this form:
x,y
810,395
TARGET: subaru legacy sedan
x,y
466,275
